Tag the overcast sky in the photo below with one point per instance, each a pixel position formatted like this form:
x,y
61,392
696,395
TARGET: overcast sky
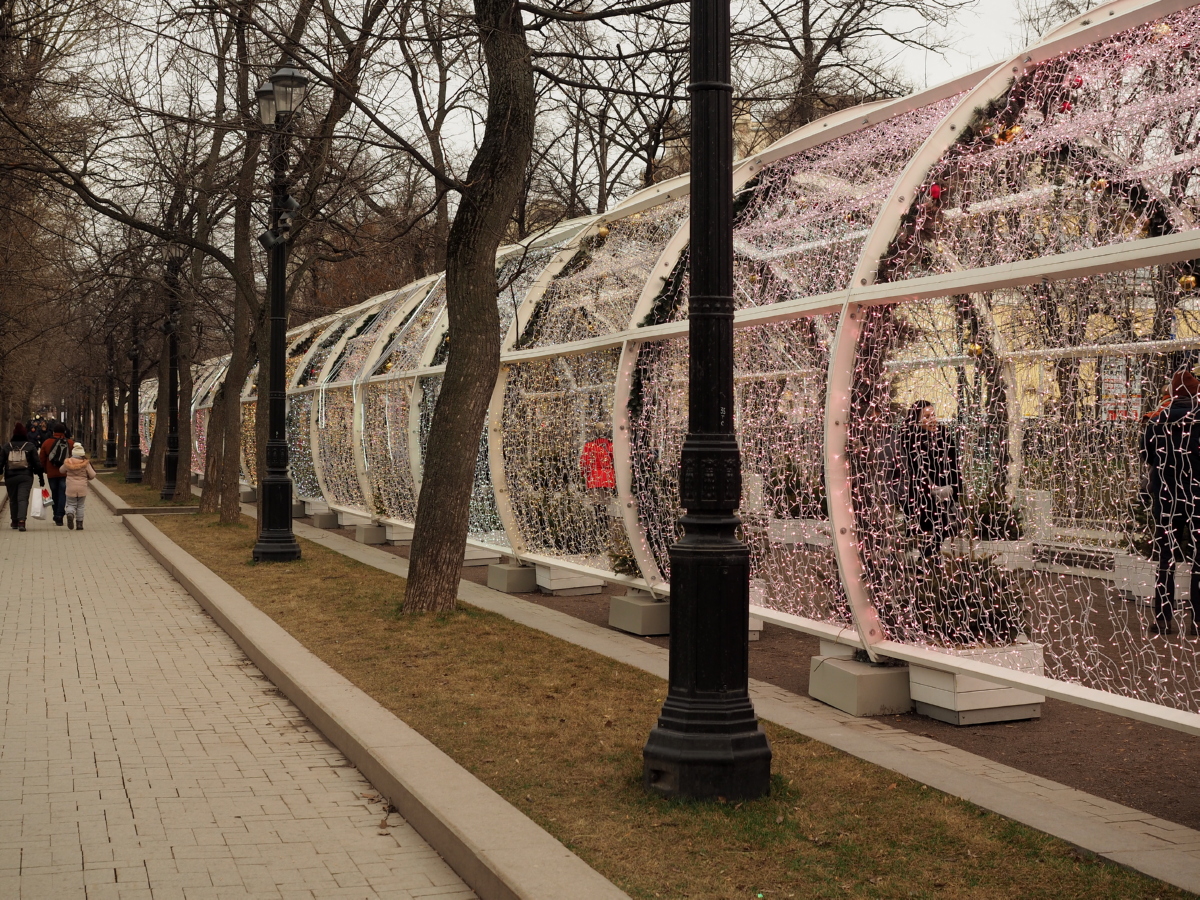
x,y
986,34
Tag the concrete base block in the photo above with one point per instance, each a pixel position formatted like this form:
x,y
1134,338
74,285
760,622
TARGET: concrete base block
x,y
195,478
640,615
477,556
572,592
511,578
980,716
756,627
369,534
201,481
249,495
298,509
399,534
325,520
859,688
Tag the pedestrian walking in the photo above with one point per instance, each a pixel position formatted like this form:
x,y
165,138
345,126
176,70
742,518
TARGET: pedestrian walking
x,y
21,463
79,472
55,451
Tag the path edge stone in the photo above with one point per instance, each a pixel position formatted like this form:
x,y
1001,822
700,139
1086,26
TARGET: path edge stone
x,y
496,849
119,507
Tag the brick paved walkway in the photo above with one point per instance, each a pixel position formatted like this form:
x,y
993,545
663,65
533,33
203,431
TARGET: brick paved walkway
x,y
142,755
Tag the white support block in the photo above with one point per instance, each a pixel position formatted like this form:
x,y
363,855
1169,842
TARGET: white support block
x,y
967,700
399,534
831,650
552,579
249,495
297,509
756,627
312,507
351,520
477,556
639,613
859,688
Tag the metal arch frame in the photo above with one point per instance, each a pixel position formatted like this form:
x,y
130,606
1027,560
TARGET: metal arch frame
x,y
1101,23
416,293
317,409
648,198
822,131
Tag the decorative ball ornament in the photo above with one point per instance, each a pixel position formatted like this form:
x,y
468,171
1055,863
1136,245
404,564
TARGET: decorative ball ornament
x,y
975,350
1187,282
935,191
1100,184
1065,106
1077,81
602,231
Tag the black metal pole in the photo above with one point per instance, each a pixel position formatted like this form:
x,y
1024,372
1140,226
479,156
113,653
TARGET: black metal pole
x,y
171,457
707,743
275,539
133,475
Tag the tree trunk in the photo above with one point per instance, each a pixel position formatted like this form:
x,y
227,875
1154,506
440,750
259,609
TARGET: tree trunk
x,y
153,467
493,185
214,453
187,353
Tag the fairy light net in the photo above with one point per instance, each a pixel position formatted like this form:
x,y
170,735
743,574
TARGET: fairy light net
x,y
558,460
994,437
596,291
1095,147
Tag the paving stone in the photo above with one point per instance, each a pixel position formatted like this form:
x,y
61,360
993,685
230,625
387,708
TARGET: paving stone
x,y
144,756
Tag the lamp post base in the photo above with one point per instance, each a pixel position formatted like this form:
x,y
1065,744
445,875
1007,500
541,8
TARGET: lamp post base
x,y
281,548
679,760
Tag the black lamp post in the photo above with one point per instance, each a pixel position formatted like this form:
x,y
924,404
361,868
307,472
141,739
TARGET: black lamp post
x,y
175,255
133,475
707,743
277,100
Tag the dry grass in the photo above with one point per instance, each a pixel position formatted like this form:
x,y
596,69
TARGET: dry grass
x,y
141,495
558,731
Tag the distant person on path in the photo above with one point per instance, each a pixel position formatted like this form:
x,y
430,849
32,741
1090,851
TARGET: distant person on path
x,y
79,472
929,478
56,450
21,463
1171,451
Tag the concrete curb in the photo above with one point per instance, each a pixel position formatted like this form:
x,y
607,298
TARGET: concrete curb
x,y
496,849
119,507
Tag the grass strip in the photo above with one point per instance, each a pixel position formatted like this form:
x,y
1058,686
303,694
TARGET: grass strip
x,y
558,731
142,495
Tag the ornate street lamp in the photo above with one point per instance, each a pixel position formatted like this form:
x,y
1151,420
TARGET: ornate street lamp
x,y
278,98
133,474
175,254
707,743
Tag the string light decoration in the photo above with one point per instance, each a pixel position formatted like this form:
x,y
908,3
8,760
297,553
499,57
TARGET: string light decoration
x,y
484,523
995,438
992,483
557,453
596,292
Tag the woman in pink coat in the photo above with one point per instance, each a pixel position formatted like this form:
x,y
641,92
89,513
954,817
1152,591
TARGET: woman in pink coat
x,y
79,472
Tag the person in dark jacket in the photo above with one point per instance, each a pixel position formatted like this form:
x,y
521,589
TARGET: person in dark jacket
x,y
929,478
58,478
1171,451
21,463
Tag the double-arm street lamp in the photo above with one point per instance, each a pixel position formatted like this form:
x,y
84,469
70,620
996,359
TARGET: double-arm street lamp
x,y
278,98
175,255
707,743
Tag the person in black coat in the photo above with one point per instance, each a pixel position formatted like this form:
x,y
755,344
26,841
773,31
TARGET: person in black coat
x,y
21,463
929,478
1171,451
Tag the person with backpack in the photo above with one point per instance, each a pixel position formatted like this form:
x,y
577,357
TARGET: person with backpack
x,y
79,472
21,463
55,451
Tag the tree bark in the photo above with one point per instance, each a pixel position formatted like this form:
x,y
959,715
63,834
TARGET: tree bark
x,y
153,466
493,185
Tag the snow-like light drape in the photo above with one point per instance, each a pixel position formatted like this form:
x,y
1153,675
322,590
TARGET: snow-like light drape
x,y
1043,392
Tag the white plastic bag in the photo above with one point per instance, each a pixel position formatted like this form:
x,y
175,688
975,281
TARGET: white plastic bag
x,y
37,502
